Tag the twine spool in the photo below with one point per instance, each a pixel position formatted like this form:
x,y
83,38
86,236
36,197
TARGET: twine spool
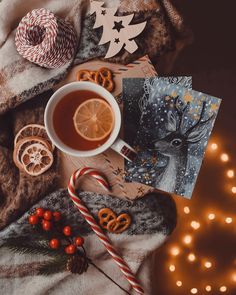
x,y
94,225
44,39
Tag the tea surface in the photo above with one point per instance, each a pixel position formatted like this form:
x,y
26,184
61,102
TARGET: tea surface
x,y
63,121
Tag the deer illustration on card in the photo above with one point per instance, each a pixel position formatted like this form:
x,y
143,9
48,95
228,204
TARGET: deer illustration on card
x,y
169,125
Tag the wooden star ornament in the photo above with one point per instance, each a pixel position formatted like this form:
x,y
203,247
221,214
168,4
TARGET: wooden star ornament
x,y
116,29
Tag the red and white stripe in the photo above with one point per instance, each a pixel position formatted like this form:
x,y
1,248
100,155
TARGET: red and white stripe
x,y
44,39
94,225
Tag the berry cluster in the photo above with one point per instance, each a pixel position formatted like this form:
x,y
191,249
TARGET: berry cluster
x,y
49,221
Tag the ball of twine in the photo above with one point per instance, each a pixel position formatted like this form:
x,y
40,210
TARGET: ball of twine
x,y
44,39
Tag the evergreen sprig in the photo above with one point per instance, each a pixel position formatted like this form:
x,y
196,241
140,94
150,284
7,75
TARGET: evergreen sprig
x,y
53,266
59,261
25,245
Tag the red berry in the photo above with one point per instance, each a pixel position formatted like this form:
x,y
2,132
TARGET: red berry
x,y
43,220
79,241
33,219
47,215
39,212
70,249
67,230
57,216
54,243
47,225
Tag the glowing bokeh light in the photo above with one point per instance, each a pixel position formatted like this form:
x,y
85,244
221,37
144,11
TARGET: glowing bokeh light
x,y
230,173
233,189
208,264
223,289
224,157
214,146
186,210
228,220
195,224
179,283
174,251
233,277
187,239
208,288
211,216
191,257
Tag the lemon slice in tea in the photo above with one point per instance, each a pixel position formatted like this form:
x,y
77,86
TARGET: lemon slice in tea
x,y
94,119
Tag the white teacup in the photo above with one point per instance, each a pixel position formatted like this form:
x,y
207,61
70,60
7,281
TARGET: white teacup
x,y
113,141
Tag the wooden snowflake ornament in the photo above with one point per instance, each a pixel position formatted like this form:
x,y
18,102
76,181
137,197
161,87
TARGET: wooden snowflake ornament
x,y
116,29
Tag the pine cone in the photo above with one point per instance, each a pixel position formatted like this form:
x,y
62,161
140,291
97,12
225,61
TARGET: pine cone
x,y
77,264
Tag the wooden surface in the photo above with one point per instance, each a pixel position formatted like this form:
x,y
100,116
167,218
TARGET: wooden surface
x,y
109,162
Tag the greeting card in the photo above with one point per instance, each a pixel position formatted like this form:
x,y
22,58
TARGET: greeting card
x,y
169,126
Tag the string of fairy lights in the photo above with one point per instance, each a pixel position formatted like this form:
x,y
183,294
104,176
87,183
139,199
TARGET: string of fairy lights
x,y
195,226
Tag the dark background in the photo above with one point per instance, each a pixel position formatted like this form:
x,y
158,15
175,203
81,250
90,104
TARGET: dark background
x,y
211,61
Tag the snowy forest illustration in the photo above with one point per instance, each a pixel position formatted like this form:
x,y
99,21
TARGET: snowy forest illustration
x,y
169,125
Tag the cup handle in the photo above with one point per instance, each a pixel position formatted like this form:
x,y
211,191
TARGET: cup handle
x,y
124,149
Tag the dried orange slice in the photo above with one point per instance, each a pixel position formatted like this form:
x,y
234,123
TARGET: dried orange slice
x,y
36,159
25,142
33,130
94,119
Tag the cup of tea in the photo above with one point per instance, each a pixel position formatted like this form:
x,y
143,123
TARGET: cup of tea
x,y
83,119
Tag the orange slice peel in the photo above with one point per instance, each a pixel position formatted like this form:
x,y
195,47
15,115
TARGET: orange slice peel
x,y
36,159
94,119
33,150
33,130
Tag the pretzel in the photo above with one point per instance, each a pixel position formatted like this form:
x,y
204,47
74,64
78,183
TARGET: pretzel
x,y
105,73
112,223
106,77
94,75
101,77
105,215
84,75
120,224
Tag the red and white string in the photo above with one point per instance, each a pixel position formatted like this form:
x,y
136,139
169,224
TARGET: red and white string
x,y
44,39
94,225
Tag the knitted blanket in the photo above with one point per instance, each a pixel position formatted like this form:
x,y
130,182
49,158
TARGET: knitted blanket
x,y
153,219
20,81
18,190
163,31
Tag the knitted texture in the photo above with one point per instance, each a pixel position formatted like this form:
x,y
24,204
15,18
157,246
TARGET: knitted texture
x,y
151,214
152,41
16,70
18,190
157,40
153,219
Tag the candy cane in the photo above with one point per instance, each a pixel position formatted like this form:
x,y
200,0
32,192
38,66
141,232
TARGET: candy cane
x,y
96,228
